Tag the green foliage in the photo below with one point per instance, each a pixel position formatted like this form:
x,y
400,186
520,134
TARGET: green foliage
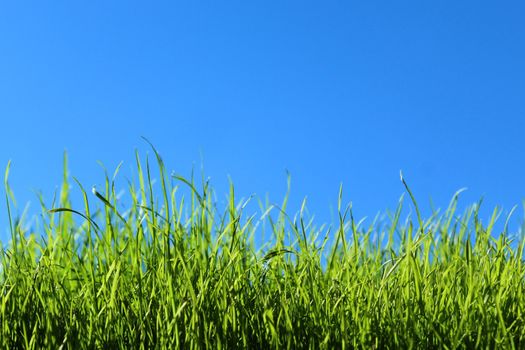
x,y
170,273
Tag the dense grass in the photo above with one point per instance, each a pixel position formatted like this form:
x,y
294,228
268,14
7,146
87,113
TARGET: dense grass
x,y
169,272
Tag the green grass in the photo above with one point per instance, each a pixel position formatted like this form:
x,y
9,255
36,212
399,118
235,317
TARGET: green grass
x,y
170,272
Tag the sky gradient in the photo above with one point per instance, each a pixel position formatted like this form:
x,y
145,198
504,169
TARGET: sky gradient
x,y
333,92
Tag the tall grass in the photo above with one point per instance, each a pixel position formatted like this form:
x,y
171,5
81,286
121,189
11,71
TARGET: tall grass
x,y
170,272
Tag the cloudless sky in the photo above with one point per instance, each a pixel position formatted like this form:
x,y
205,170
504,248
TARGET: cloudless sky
x,y
332,91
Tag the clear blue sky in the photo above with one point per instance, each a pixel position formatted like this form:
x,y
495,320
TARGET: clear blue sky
x,y
333,91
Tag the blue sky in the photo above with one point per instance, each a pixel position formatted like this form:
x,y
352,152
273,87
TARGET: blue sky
x,y
332,91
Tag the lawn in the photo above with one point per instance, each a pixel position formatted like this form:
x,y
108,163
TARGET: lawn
x,y
175,271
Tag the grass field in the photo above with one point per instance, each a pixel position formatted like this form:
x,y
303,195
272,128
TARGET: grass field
x,y
172,272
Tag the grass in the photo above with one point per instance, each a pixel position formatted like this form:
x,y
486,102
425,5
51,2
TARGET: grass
x,y
170,272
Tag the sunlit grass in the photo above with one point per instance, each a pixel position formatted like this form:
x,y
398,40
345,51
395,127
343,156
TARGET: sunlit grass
x,y
170,272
